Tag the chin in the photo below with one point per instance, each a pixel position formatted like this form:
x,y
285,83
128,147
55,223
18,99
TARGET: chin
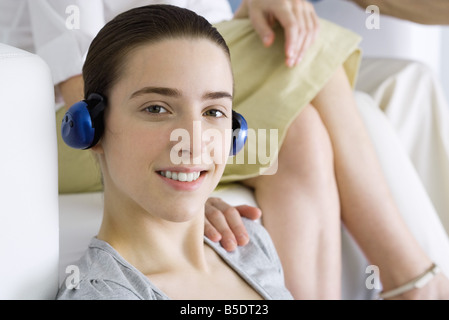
x,y
184,212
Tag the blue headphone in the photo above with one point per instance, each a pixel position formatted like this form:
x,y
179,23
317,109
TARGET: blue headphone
x,y
82,125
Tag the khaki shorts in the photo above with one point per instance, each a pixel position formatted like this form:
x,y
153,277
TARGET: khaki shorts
x,y
267,93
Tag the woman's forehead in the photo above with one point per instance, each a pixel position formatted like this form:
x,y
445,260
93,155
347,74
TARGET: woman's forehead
x,y
174,49
175,61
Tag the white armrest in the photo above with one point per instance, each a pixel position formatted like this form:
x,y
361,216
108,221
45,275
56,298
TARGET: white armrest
x,y
28,178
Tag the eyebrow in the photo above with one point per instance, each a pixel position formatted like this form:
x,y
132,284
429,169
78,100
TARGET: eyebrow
x,y
217,95
158,90
171,92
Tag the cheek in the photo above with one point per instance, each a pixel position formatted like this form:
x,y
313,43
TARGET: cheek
x,y
218,141
223,145
128,135
219,145
133,149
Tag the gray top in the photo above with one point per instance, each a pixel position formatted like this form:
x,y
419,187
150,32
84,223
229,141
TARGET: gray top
x,y
104,274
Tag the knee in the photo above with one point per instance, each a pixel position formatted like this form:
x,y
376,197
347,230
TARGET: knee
x,y
305,160
307,147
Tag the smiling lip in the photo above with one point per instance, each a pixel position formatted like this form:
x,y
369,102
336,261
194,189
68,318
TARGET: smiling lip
x,y
185,179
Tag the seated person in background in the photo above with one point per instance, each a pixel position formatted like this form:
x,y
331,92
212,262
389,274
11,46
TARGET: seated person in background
x,y
160,68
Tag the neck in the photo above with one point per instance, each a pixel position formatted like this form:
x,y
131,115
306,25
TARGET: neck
x,y
151,244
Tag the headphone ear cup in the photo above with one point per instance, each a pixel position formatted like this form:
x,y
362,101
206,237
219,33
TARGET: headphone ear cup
x,y
239,133
76,129
82,125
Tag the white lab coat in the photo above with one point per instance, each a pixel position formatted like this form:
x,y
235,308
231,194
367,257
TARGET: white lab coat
x,y
60,31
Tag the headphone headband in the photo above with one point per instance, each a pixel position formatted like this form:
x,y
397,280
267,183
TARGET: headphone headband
x,y
96,104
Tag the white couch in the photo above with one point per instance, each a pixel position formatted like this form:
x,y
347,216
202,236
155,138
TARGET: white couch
x,y
42,233
29,237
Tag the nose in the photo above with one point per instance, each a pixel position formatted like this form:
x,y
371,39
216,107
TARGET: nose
x,y
190,147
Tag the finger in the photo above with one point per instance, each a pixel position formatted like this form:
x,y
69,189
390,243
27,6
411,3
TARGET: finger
x,y
217,220
298,8
261,25
286,18
210,232
271,21
237,226
307,30
249,212
313,26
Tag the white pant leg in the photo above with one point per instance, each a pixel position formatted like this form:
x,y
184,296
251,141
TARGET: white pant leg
x,y
412,200
414,102
414,204
411,197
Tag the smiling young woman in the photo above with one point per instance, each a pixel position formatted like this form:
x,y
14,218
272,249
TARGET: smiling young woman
x,y
166,69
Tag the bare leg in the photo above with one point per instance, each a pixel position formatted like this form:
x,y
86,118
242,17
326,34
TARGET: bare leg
x,y
368,210
301,210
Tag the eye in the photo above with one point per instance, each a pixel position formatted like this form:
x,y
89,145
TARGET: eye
x,y
214,113
155,109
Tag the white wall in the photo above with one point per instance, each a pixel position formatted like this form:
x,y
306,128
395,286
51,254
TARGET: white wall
x,y
445,60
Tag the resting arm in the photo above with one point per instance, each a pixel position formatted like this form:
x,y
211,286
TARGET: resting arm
x,y
419,11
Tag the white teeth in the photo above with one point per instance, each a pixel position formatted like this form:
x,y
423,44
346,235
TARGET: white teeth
x,y
181,176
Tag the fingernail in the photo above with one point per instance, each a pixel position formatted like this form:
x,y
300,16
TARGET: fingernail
x,y
242,239
266,40
215,237
229,244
